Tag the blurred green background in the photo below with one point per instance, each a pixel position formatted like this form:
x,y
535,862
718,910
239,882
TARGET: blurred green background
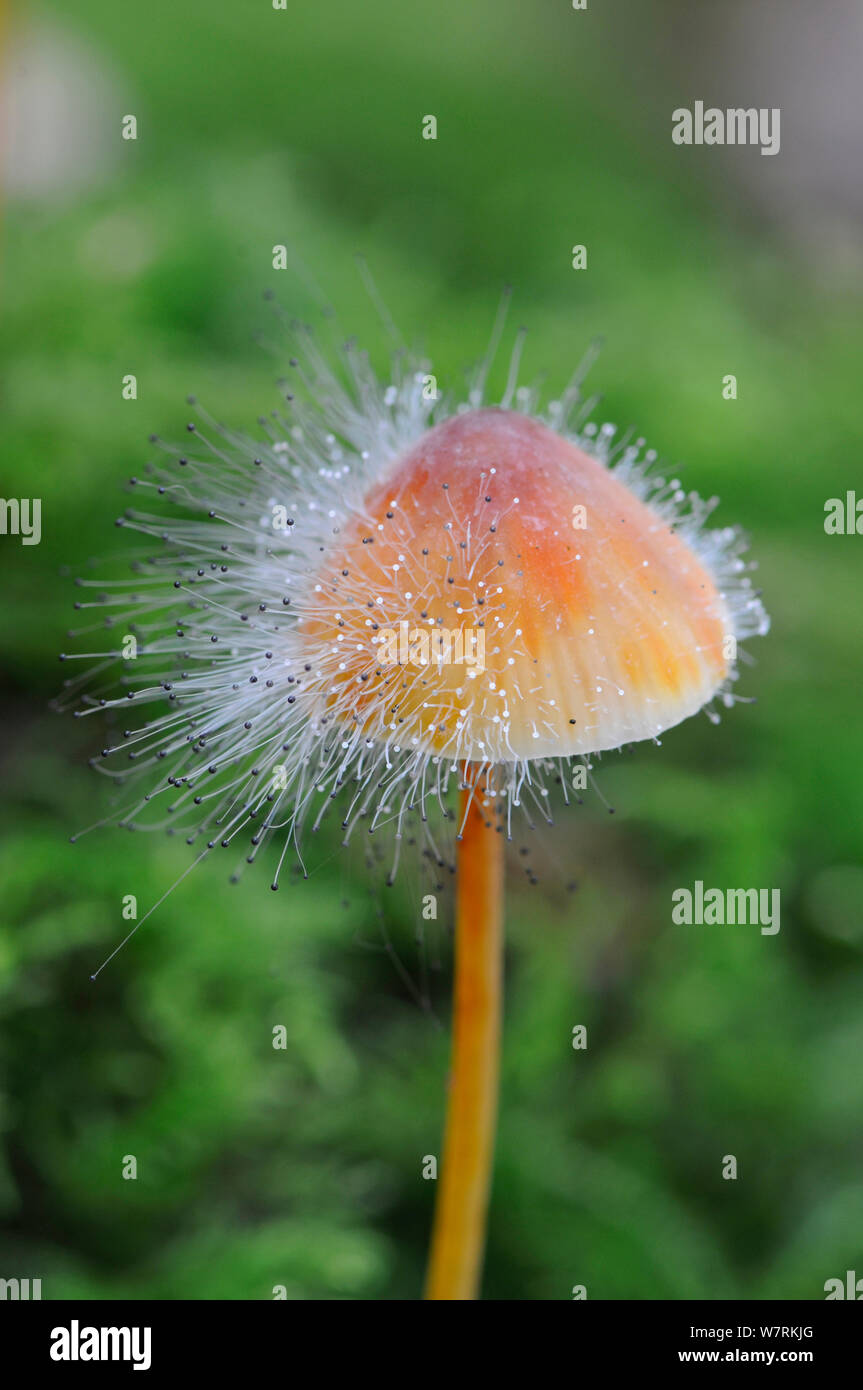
x,y
302,1167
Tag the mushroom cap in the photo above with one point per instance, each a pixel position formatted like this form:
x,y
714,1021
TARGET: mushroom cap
x,y
577,630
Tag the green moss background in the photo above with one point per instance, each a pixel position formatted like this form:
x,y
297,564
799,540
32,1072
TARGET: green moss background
x,y
302,1167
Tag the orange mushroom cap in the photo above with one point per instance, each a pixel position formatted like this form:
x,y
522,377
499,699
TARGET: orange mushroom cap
x,y
504,596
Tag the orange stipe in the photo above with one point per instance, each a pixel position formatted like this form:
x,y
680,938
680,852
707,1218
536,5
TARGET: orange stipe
x,y
458,1239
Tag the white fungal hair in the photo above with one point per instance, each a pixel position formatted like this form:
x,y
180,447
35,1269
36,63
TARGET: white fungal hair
x,y
256,729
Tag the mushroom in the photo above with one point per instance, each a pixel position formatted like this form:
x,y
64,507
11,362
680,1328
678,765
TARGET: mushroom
x,y
388,594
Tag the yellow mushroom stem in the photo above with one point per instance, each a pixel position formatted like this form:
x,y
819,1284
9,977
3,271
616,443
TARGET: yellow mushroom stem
x,y
458,1236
